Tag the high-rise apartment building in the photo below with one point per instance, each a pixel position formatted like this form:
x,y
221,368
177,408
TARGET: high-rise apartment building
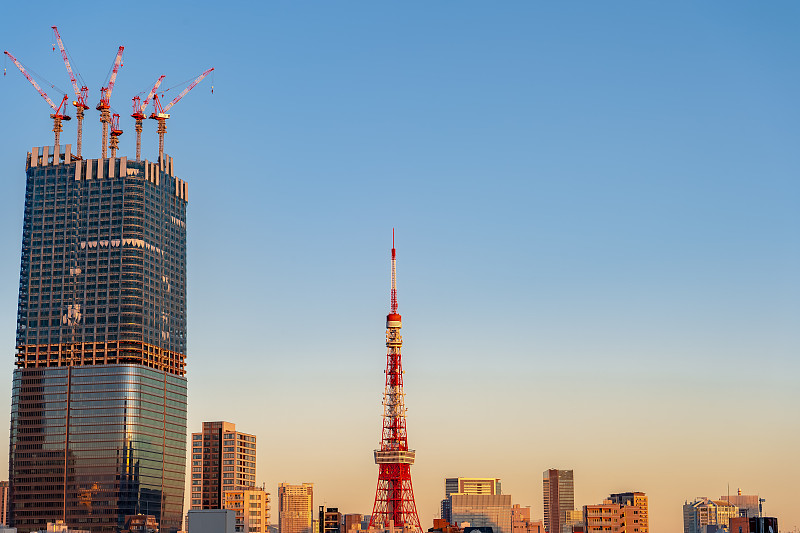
x,y
251,505
296,508
467,485
558,491
98,414
635,499
704,512
222,459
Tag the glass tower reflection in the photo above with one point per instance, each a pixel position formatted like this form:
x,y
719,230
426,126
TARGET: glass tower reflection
x,y
98,421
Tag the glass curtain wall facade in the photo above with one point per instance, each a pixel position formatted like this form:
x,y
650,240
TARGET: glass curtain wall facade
x,y
98,425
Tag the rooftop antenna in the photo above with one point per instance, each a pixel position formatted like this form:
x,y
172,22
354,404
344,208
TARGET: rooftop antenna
x,y
394,277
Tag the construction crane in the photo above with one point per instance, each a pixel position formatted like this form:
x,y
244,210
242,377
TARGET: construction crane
x,y
80,93
105,96
161,115
138,114
59,112
115,133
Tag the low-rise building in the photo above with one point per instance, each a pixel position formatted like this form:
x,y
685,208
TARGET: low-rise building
x,y
482,510
702,513
613,517
251,505
211,521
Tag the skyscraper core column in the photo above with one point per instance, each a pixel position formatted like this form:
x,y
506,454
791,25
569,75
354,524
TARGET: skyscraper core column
x,y
394,496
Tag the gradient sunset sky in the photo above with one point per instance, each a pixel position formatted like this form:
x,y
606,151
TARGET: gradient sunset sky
x,y
596,207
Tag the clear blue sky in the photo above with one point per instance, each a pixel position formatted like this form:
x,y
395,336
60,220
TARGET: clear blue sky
x,y
597,223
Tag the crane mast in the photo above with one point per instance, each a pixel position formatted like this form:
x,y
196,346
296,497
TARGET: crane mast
x,y
161,115
138,114
80,93
105,100
115,133
58,114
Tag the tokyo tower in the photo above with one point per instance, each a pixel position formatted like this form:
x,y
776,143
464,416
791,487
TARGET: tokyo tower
x,y
394,497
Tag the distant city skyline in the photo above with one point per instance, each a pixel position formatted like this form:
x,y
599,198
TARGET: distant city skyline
x,y
596,206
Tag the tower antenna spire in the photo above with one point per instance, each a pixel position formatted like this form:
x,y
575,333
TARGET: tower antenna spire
x,y
394,276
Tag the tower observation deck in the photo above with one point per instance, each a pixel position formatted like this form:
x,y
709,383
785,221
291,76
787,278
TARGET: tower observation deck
x,y
394,496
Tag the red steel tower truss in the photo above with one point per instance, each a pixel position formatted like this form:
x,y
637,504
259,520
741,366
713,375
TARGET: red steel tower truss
x,y
394,497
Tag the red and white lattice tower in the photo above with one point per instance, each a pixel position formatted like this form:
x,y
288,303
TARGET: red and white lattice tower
x,y
394,497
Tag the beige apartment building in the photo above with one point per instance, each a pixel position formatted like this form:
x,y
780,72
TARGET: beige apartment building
x,y
296,508
223,459
251,505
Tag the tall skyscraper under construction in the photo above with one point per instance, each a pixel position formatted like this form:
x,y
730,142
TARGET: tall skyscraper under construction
x,y
98,416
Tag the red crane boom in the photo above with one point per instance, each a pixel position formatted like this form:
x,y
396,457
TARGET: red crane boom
x,y
81,94
187,89
58,114
161,115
